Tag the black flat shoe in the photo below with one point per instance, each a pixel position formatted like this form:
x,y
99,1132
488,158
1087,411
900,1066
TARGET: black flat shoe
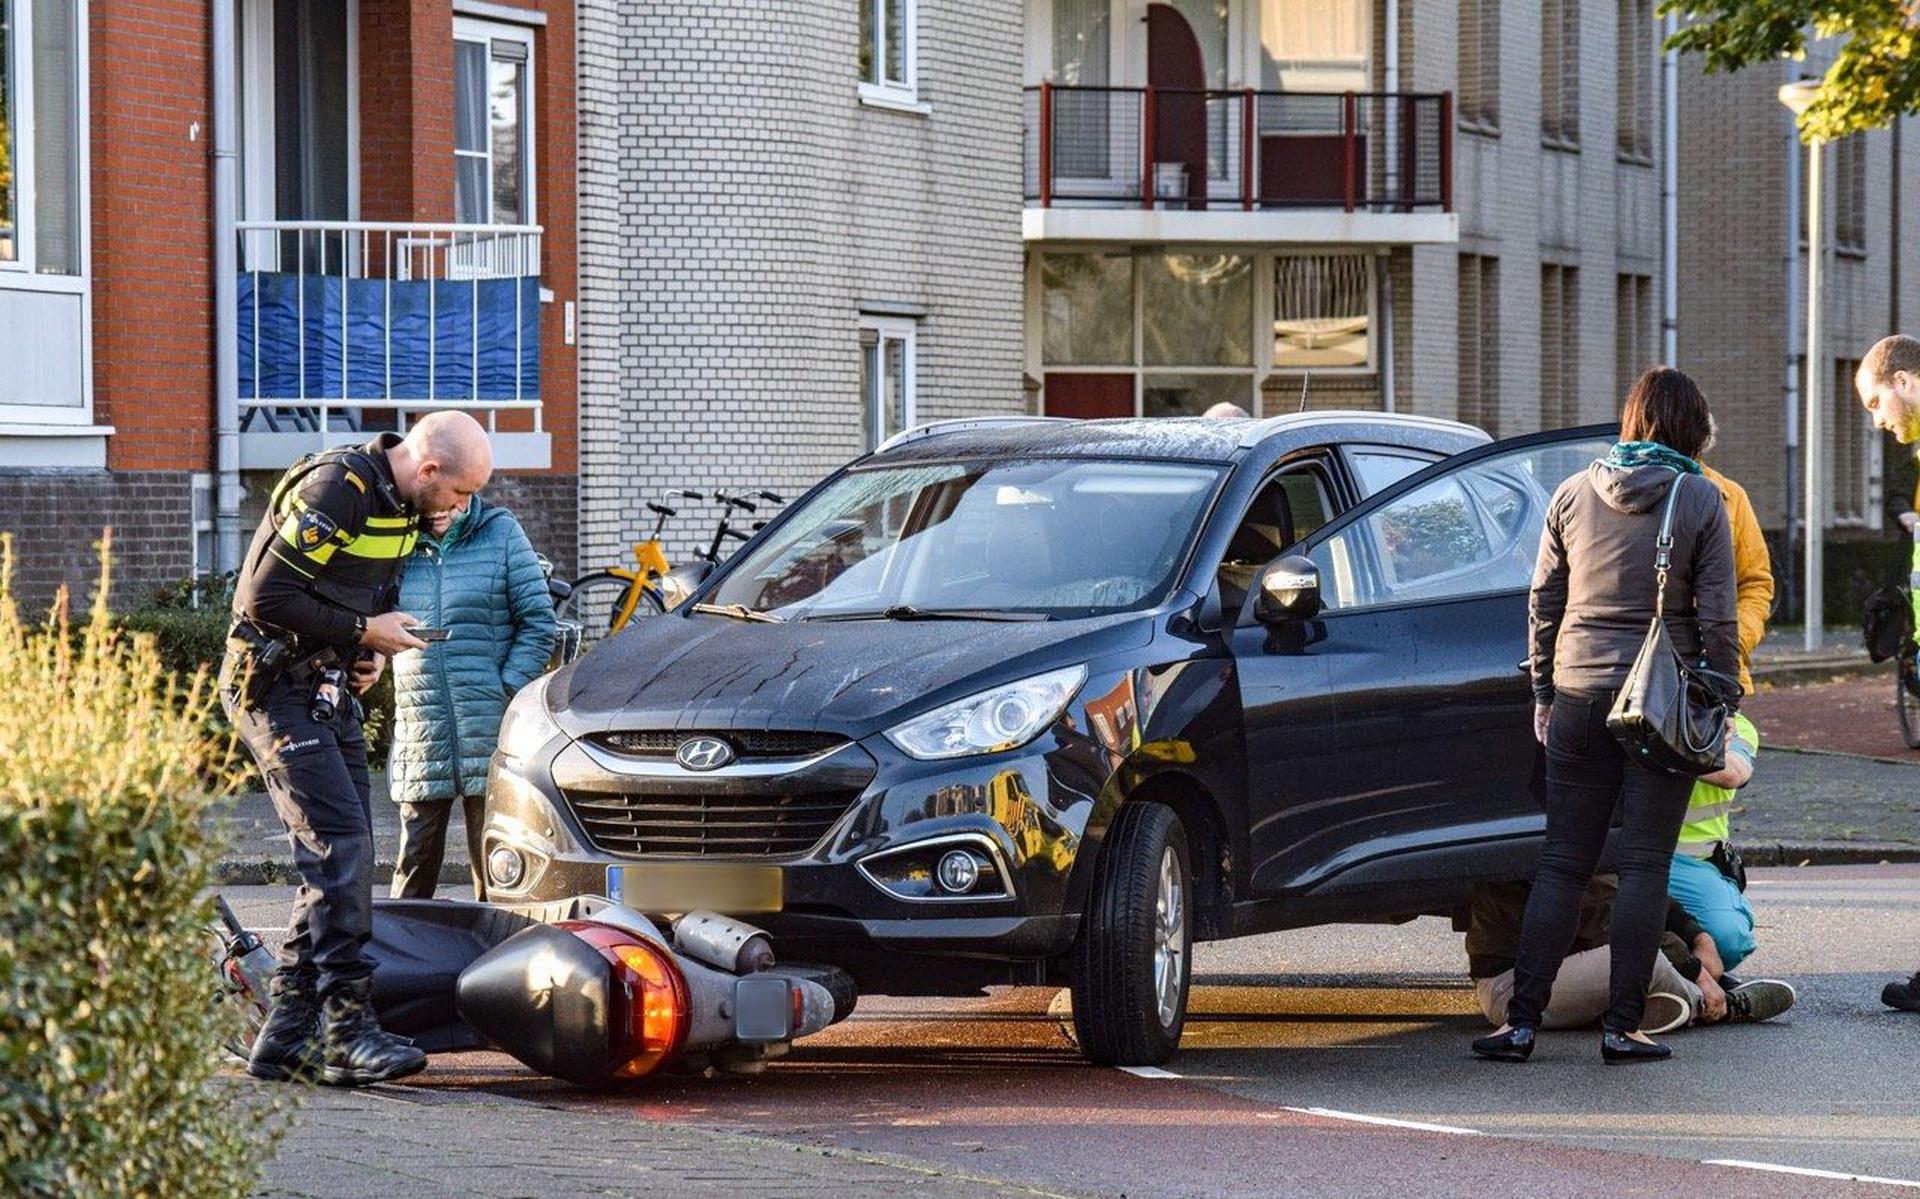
x,y
1513,1045
1619,1047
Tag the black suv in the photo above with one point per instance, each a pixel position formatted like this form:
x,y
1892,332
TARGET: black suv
x,y
1028,700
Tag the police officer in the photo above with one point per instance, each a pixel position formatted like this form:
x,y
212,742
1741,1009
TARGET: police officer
x,y
312,627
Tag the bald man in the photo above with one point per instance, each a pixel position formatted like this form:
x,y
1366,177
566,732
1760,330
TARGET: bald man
x,y
313,624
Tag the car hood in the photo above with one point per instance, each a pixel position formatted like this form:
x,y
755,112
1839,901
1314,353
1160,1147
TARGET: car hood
x,y
702,672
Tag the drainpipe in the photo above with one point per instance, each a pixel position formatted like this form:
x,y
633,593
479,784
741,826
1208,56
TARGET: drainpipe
x,y
1670,199
1383,290
226,366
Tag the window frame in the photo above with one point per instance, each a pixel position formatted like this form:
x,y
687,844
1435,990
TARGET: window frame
x,y
872,406
20,276
882,92
485,33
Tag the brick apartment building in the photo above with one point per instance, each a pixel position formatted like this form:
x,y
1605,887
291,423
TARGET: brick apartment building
x,y
401,238
1743,262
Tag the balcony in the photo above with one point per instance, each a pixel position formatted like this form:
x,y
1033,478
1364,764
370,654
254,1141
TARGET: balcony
x,y
1165,165
349,328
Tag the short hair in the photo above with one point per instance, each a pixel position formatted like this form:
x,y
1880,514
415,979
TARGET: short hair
x,y
1896,353
1665,405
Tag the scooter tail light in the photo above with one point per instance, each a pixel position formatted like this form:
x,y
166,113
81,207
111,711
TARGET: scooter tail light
x,y
655,1028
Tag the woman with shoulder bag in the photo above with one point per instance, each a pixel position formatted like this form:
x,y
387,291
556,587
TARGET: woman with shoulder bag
x,y
1621,544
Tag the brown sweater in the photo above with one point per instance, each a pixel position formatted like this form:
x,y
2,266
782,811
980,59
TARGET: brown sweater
x,y
1496,910
1593,583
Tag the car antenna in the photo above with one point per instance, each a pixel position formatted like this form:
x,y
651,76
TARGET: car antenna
x,y
1304,380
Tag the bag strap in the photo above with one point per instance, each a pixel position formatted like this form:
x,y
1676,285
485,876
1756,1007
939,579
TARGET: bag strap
x,y
1663,549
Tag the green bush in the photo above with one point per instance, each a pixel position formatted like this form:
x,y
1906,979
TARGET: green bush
x,y
108,1039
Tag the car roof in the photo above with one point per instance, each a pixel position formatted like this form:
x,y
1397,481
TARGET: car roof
x,y
1192,438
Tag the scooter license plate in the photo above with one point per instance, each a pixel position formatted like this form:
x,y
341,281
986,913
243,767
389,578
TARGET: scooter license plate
x,y
697,886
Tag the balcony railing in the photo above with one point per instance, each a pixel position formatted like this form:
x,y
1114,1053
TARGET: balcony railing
x,y
347,326
1169,148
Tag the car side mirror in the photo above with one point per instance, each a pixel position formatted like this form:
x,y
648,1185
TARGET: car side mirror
x,y
1288,590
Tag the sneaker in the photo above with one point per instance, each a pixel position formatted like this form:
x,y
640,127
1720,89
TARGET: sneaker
x,y
1905,996
1761,999
1665,1012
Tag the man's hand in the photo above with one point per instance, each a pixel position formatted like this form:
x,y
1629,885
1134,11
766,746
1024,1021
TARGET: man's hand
x,y
366,672
1713,1001
1709,954
1540,714
1735,773
387,633
1908,520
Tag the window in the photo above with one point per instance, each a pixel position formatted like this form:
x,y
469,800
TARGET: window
x,y
1315,45
1849,195
1322,311
886,377
1852,437
1287,509
1633,332
1380,469
1559,346
1472,531
887,51
1479,347
1560,72
40,137
492,124
1479,91
1634,86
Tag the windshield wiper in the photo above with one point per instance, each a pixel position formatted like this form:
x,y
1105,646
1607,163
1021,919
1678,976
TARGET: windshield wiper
x,y
740,612
909,612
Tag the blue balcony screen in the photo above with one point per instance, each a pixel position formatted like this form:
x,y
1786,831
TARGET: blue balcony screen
x,y
457,335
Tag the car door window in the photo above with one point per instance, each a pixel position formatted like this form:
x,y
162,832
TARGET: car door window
x,y
1378,468
1288,508
1473,528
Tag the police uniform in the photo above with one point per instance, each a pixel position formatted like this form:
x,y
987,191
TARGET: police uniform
x,y
327,555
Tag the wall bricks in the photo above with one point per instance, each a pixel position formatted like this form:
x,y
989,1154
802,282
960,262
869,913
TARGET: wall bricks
x,y
55,518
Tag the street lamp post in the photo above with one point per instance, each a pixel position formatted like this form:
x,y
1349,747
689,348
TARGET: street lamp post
x,y
1797,96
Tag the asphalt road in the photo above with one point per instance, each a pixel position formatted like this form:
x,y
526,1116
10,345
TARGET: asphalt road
x,y
1298,1044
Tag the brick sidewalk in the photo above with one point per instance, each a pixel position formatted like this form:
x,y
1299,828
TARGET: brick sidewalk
x,y
1852,716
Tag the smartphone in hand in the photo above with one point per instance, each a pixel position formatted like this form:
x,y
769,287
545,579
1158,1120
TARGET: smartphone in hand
x,y
426,634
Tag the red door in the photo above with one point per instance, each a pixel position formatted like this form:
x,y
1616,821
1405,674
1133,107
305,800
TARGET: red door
x,y
1089,397
1177,73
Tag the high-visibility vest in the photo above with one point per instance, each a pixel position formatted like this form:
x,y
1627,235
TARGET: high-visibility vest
x,y
1708,808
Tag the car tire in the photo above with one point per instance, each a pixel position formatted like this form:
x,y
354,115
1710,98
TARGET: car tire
x,y
1126,1010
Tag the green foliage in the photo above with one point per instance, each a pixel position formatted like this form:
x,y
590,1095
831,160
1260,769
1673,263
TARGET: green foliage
x,y
188,620
1875,78
108,1039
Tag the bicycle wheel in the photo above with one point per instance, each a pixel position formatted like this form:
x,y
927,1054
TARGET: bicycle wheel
x,y
597,601
1906,700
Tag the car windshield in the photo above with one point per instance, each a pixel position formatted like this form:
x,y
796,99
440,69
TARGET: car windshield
x,y
1040,537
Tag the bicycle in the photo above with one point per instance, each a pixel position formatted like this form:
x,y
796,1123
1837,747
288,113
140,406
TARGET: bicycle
x,y
602,602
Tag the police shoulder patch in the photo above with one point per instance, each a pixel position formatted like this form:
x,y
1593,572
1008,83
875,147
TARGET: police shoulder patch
x,y
314,529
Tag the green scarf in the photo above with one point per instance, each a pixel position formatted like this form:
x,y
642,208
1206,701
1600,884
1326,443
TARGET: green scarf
x,y
1650,453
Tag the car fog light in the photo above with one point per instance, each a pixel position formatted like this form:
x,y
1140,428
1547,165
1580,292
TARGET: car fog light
x,y
506,867
958,872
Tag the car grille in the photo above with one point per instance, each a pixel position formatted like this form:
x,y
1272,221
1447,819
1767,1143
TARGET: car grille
x,y
709,825
664,743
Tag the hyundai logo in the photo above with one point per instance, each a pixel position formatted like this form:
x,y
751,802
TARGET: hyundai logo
x,y
704,753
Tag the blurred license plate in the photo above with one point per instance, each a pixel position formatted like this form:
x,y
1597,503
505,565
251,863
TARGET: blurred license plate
x,y
696,886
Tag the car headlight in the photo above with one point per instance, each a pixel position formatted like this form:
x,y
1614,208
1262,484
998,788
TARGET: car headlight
x,y
991,721
528,724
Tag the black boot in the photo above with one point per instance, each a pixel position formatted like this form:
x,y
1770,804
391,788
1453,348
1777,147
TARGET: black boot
x,y
288,1045
358,1050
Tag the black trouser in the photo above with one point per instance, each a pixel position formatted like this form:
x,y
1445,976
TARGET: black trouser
x,y
317,776
1587,774
423,844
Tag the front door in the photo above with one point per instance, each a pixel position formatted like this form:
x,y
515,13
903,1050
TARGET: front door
x,y
1422,738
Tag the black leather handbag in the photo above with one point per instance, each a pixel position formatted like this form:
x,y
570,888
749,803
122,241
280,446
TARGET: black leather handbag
x,y
1669,716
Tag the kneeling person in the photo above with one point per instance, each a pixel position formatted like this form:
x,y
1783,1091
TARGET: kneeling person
x,y
1705,877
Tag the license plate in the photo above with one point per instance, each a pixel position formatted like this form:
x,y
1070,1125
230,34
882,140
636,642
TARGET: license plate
x,y
697,886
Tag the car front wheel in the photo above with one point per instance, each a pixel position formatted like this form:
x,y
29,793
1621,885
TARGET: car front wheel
x,y
1131,965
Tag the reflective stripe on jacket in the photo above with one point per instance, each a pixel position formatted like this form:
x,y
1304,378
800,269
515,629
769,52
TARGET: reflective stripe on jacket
x,y
484,585
1709,808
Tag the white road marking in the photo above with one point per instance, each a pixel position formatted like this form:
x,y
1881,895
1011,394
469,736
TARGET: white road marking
x,y
1330,1114
1148,1072
1773,1169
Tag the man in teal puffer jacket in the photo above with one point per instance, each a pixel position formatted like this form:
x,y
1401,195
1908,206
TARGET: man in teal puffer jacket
x,y
474,573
